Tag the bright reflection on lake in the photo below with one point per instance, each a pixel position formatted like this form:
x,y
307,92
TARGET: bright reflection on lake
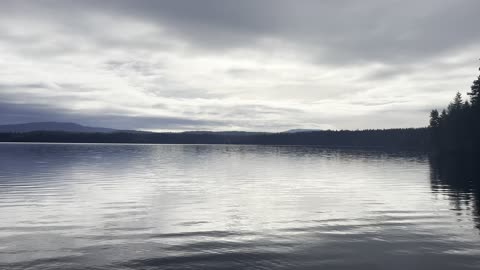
x,y
66,206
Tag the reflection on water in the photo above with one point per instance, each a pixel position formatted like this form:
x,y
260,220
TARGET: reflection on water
x,y
458,179
233,207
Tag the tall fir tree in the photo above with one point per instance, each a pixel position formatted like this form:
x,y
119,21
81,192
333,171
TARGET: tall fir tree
x,y
475,92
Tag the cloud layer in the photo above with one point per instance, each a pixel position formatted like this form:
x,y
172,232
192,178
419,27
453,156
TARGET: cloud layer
x,y
223,65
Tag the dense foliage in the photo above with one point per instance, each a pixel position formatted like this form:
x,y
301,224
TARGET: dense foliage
x,y
457,128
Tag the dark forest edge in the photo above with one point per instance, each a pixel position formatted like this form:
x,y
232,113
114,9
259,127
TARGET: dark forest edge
x,y
455,130
412,138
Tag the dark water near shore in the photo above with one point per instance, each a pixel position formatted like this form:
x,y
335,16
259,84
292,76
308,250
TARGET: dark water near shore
x,y
234,207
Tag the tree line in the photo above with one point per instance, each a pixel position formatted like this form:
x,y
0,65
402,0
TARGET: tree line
x,y
411,138
457,128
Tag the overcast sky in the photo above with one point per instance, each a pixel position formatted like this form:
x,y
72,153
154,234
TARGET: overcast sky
x,y
264,65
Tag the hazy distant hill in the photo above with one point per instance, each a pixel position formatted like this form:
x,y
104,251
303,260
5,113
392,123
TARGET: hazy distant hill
x,y
300,130
226,133
52,126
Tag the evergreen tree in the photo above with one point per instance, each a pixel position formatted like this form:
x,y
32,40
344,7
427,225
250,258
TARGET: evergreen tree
x,y
475,93
443,116
434,119
456,105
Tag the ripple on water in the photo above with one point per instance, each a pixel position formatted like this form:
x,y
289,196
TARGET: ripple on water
x,y
230,207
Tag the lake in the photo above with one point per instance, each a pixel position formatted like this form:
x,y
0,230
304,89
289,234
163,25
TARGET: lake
x,y
94,206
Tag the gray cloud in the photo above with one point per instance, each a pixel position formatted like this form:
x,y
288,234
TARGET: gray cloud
x,y
273,64
10,86
350,31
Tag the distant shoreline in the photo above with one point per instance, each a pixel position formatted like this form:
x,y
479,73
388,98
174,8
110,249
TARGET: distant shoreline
x,y
407,139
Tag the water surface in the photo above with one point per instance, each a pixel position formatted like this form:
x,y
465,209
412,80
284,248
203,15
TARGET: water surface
x,y
93,206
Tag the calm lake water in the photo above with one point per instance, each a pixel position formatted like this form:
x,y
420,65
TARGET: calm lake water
x,y
66,206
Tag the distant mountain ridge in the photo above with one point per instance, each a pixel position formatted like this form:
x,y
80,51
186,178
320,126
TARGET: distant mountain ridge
x,y
301,130
53,126
74,127
227,133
